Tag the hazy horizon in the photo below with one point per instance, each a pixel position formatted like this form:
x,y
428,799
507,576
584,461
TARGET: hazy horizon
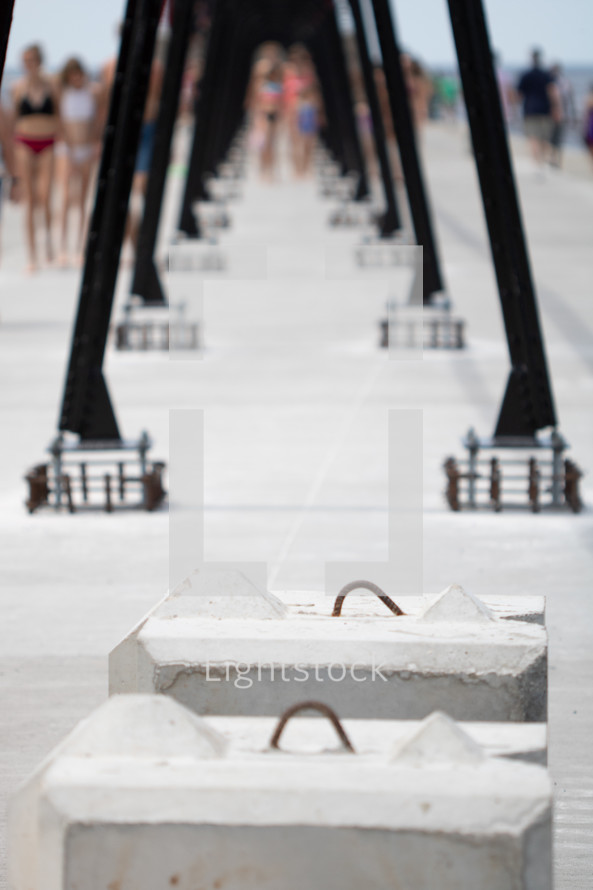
x,y
562,30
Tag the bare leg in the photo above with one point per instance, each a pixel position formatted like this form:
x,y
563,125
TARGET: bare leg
x,y
308,146
45,181
25,162
294,135
299,151
66,199
265,150
269,154
536,148
85,179
139,185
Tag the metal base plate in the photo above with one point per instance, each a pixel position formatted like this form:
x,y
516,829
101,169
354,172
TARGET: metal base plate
x,y
522,472
423,328
97,475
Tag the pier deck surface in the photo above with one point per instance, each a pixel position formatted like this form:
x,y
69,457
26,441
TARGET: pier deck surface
x,y
296,455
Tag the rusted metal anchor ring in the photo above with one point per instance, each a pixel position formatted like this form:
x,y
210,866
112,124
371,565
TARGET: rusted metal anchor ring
x,y
311,706
366,585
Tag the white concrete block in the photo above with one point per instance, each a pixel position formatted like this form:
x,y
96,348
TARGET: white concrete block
x,y
144,794
363,604
483,663
457,604
228,593
516,741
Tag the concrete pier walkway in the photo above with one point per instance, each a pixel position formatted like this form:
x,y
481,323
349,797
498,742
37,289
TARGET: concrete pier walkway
x,y
295,392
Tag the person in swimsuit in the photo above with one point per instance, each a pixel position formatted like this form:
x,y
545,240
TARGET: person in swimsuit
x,y
299,74
36,124
80,112
146,143
308,117
8,178
269,101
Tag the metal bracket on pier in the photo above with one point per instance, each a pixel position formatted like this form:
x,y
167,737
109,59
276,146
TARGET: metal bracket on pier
x,y
143,329
531,472
87,475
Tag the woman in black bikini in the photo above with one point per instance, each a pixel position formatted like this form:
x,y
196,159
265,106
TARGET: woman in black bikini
x,y
36,126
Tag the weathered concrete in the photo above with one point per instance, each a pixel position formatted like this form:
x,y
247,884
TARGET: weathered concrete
x,y
309,485
517,741
145,794
256,655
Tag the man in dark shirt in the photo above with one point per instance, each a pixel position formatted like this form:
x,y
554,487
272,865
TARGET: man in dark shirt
x,y
540,106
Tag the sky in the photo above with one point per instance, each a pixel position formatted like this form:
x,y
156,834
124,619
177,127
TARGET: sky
x,y
562,28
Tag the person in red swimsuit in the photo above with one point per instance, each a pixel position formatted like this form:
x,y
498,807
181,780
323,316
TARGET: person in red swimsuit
x,y
36,124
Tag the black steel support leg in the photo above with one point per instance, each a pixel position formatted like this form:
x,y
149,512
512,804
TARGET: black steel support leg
x,y
528,403
86,407
330,60
194,189
146,283
228,84
432,281
6,9
391,220
234,118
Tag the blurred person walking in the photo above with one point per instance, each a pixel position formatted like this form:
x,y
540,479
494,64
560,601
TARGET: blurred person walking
x,y
80,112
266,100
383,97
308,121
541,107
36,126
420,89
566,114
145,148
588,122
8,177
447,94
299,76
146,142
506,89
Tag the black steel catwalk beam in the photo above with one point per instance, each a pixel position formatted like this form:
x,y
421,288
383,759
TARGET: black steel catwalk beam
x,y
328,53
528,403
86,406
6,9
432,280
232,104
230,86
205,108
146,282
390,221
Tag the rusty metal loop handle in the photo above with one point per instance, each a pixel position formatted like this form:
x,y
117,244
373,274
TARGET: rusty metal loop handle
x,y
366,585
311,706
